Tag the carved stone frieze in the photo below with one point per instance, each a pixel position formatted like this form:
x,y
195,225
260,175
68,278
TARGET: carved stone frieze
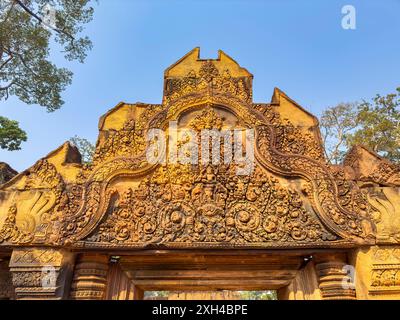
x,y
10,232
385,270
211,205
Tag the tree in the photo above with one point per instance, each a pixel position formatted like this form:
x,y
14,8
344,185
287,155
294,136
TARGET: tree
x,y
375,124
26,29
379,126
85,147
11,135
156,295
336,125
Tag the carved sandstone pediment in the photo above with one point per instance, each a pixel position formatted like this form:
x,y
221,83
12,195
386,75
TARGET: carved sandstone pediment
x,y
291,198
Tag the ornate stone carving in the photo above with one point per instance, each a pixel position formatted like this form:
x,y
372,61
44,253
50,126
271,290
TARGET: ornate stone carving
x,y
332,208
210,205
334,281
44,175
290,139
386,213
10,232
293,199
45,185
208,79
207,119
370,167
385,270
325,189
387,277
90,275
127,142
40,273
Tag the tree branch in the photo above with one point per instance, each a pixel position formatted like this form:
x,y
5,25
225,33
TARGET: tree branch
x,y
23,61
7,61
29,11
6,88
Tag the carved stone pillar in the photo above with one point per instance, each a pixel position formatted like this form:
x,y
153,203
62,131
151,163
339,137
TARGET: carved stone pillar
x,y
335,277
90,277
6,288
41,273
377,272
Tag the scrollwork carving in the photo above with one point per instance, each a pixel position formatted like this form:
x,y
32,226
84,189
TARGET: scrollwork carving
x,y
213,205
325,188
208,78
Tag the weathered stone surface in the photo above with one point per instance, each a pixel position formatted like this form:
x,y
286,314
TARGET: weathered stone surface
x,y
6,172
292,199
41,273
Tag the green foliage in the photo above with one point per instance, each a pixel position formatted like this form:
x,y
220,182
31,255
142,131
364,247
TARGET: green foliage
x,y
85,147
11,135
26,30
258,295
243,295
379,126
156,294
375,124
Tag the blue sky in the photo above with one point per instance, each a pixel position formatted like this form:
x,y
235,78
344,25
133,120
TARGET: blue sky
x,y
298,46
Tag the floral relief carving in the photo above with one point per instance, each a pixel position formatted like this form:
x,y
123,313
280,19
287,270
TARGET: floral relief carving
x,y
208,78
358,225
27,279
385,277
385,269
129,141
213,205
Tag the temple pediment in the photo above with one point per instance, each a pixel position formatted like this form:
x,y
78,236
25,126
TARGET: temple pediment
x,y
369,167
290,198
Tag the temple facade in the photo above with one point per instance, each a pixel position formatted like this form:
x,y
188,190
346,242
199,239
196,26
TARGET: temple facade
x,y
123,225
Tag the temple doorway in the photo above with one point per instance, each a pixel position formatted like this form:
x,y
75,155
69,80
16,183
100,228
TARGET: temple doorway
x,y
211,275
